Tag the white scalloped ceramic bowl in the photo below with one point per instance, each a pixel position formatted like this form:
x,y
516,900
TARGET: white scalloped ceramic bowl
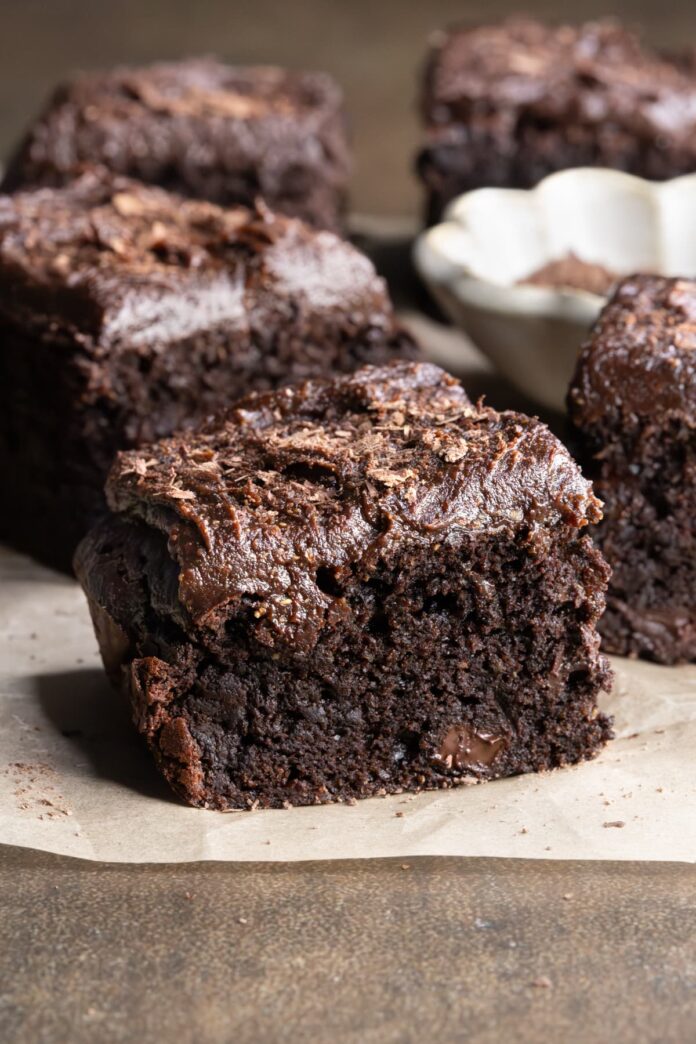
x,y
492,238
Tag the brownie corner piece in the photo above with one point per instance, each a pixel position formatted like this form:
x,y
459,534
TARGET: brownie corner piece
x,y
228,134
127,312
633,403
352,587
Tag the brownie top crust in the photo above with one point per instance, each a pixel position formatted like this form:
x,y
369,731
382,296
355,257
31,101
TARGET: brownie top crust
x,y
640,359
293,492
203,87
200,127
587,73
113,259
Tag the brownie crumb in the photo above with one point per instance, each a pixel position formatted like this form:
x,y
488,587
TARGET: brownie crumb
x,y
36,790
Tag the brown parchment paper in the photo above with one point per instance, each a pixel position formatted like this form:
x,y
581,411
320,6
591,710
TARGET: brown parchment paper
x,y
75,779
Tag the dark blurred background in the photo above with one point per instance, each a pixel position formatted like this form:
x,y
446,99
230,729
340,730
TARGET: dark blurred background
x,y
373,47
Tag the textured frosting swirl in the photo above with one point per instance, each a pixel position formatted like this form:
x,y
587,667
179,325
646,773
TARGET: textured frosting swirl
x,y
641,357
587,73
293,492
120,260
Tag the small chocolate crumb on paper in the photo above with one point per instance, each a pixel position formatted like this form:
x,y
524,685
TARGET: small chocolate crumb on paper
x,y
35,790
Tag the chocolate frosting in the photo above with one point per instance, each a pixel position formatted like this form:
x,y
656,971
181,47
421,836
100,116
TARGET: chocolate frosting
x,y
588,73
206,129
294,490
641,356
124,263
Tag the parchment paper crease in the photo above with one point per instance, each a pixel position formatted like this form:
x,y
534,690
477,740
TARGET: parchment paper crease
x,y
74,778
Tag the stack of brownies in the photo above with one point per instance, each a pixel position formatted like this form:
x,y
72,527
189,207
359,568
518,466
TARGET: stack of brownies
x,y
318,570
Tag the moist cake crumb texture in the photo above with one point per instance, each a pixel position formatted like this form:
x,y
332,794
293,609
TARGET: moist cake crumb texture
x,y
633,402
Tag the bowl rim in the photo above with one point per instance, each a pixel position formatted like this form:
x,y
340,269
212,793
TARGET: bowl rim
x,y
459,279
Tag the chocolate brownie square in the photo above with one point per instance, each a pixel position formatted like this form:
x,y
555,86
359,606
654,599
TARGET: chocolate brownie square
x,y
352,587
200,128
633,401
508,104
127,313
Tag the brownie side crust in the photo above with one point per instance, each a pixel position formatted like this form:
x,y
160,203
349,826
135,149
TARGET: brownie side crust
x,y
508,104
203,129
127,313
633,402
348,588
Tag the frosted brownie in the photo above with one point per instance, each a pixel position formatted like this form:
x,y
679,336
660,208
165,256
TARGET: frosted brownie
x,y
127,313
508,104
633,401
201,128
352,587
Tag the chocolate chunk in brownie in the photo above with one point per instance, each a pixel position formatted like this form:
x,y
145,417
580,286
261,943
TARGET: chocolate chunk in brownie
x,y
508,104
350,587
217,132
633,401
127,313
